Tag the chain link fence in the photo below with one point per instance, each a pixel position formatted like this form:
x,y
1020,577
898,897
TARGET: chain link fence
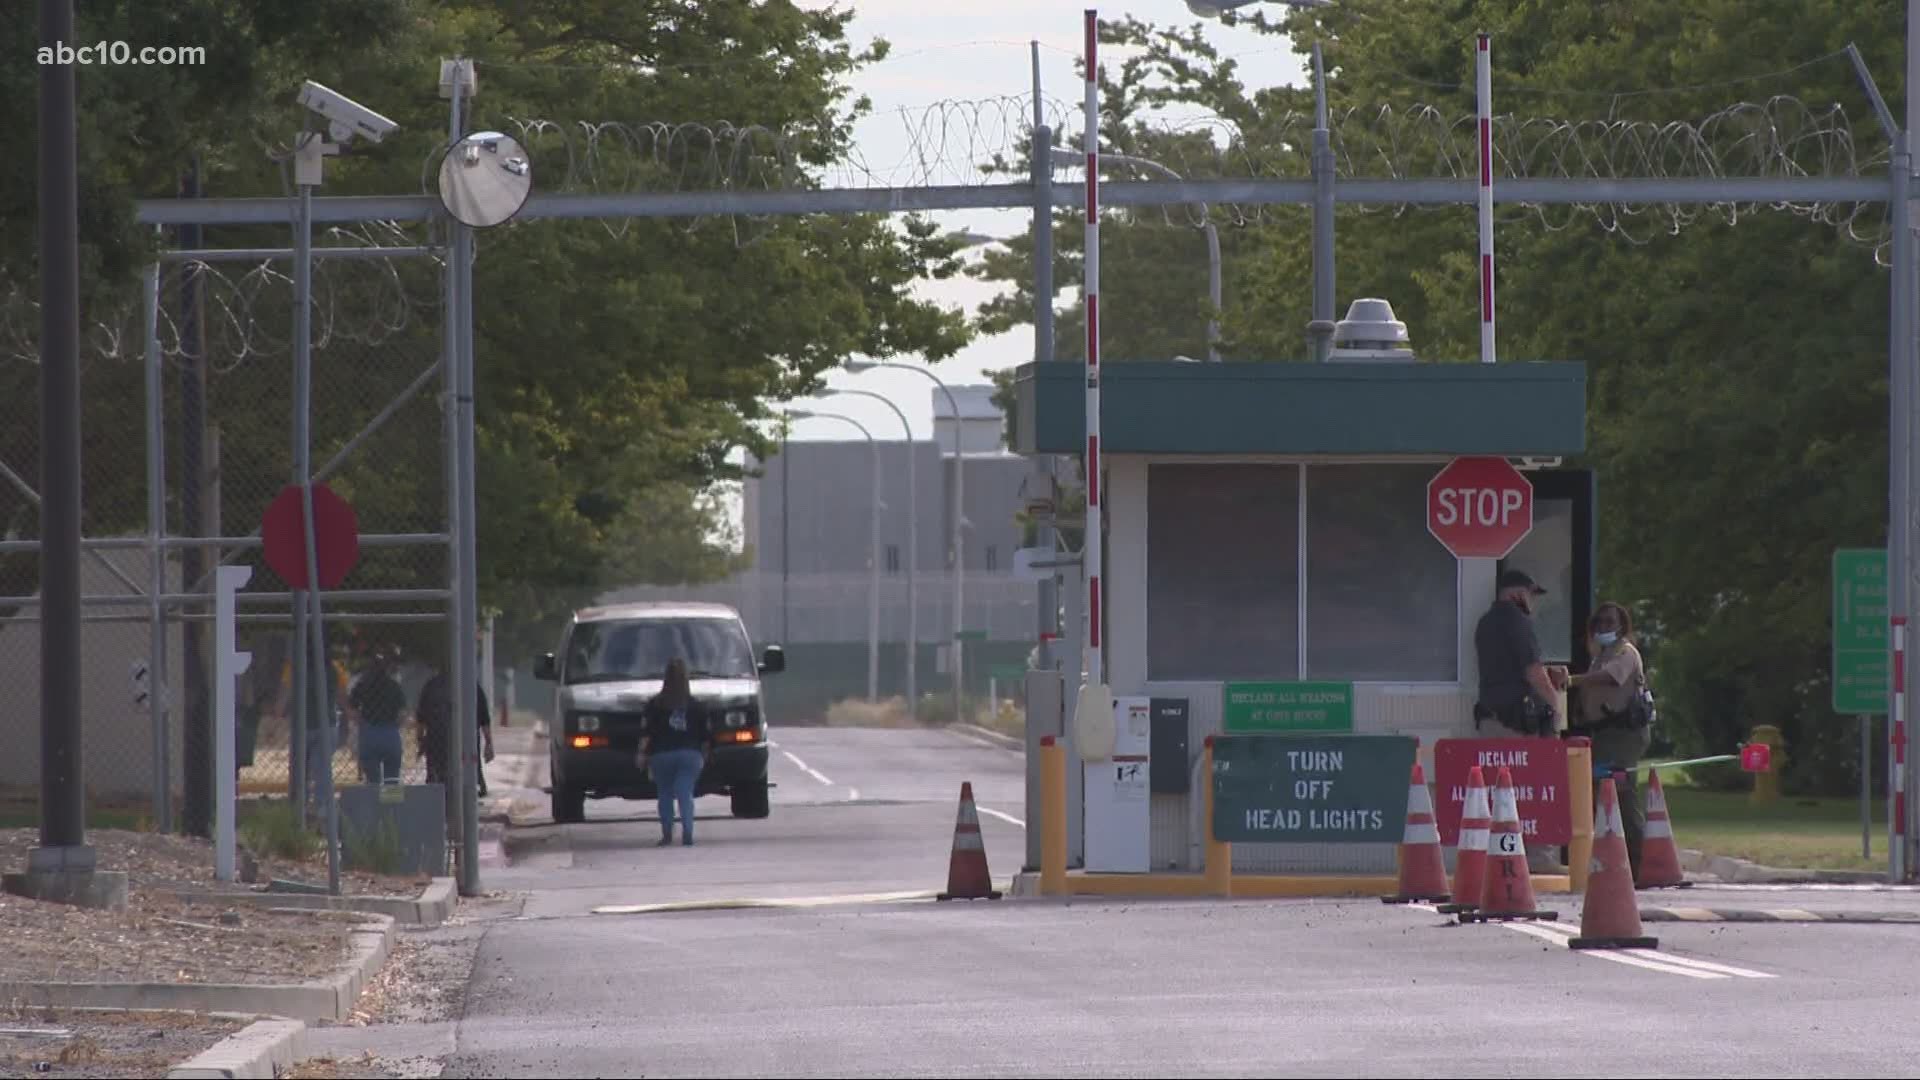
x,y
226,415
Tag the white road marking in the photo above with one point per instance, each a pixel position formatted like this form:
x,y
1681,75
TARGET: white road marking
x,y
980,740
805,768
853,794
1561,933
1001,815
1659,960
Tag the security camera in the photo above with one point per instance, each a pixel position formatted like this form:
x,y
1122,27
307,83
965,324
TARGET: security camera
x,y
345,116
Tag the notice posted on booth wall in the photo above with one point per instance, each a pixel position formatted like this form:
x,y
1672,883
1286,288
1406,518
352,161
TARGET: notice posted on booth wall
x,y
1539,771
1313,789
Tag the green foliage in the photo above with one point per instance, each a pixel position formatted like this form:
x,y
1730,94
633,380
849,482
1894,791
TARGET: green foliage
x,y
617,369
1737,373
270,829
376,850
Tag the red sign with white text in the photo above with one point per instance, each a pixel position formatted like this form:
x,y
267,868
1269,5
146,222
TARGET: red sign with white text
x,y
1539,770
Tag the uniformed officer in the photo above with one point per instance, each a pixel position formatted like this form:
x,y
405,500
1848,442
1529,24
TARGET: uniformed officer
x,y
1515,688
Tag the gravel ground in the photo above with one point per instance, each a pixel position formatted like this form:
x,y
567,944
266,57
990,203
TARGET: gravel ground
x,y
37,1043
162,940
159,861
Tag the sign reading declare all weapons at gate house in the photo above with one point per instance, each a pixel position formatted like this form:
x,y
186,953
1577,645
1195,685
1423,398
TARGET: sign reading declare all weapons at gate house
x,y
1539,771
1288,706
1332,789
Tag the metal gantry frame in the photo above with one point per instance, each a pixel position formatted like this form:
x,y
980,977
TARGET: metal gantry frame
x,y
1041,196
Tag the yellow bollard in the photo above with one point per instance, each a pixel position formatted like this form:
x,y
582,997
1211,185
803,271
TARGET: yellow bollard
x,y
1053,817
1218,853
1766,785
1580,810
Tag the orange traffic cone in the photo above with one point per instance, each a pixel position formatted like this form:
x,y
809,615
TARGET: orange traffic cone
x,y
1423,874
1507,892
1610,918
1470,856
1659,855
967,875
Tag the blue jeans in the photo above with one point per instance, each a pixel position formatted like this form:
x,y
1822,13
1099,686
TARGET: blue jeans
x,y
381,748
674,773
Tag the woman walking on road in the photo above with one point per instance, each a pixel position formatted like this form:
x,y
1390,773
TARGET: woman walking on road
x,y
674,749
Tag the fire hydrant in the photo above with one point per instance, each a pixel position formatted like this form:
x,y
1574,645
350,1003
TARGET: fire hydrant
x,y
1766,782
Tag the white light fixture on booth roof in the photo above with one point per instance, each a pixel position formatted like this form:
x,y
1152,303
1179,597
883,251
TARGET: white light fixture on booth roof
x,y
1370,333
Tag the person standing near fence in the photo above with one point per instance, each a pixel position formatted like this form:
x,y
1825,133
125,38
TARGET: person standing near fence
x,y
378,702
435,712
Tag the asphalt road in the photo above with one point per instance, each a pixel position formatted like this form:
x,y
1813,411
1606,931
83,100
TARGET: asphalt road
x,y
589,979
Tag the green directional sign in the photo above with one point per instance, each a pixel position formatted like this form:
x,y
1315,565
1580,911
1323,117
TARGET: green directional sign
x,y
1288,706
1860,676
1330,789
1008,672
970,635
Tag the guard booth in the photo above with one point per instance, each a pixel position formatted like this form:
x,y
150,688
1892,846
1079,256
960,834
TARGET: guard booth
x,y
1270,565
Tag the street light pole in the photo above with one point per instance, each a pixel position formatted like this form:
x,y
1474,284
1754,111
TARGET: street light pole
x,y
959,502
913,547
873,559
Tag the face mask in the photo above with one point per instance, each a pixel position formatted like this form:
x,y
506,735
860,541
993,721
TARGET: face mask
x,y
1606,638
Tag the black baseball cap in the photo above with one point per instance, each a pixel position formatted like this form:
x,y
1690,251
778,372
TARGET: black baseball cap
x,y
1519,579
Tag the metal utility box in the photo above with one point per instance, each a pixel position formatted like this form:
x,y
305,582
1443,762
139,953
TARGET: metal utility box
x,y
1168,773
394,828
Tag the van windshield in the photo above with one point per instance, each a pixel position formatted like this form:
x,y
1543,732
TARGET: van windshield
x,y
623,649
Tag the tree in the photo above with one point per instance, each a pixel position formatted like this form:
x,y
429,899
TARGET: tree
x,y
617,369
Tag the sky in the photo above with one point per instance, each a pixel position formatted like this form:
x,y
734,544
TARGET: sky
x,y
970,50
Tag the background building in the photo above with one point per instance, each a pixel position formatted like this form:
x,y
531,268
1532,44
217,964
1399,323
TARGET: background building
x,y
807,519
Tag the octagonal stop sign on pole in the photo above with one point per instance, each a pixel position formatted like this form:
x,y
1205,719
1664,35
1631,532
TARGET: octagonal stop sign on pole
x,y
1479,507
336,536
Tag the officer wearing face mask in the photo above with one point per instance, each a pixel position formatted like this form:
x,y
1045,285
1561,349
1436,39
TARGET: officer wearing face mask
x,y
1611,713
1516,690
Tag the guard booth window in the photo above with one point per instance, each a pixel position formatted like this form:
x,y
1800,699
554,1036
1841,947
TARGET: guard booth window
x,y
1223,571
1224,559
1383,596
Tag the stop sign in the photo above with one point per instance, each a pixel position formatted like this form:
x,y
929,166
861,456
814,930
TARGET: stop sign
x,y
1479,507
336,536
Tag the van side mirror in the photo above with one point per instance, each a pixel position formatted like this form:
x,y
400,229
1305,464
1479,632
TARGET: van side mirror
x,y
773,660
547,667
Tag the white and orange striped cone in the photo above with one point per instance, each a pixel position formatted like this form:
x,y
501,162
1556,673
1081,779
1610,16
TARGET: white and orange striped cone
x,y
1659,853
1423,873
967,874
1470,856
1610,917
1507,892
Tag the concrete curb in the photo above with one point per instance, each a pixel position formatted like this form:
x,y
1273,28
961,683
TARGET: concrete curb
x,y
329,999
263,1049
998,738
1773,915
431,908
1741,871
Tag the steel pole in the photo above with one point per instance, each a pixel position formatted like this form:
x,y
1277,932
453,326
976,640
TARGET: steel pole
x,y
1091,557
466,599
873,578
303,464
1321,328
157,559
1899,495
455,750
1047,623
1909,279
1484,82
62,791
